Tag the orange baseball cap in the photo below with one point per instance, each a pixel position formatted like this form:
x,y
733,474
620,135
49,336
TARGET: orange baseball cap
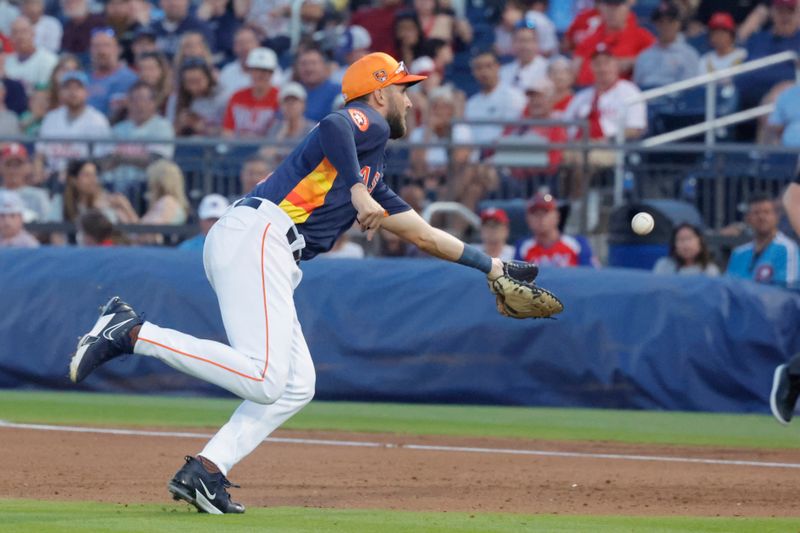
x,y
375,71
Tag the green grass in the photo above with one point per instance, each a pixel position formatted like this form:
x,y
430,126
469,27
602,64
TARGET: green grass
x,y
755,431
64,517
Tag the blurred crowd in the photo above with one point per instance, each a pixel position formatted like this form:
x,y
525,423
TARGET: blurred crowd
x,y
138,74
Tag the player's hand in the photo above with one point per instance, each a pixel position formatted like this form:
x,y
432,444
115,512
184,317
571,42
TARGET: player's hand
x,y
497,269
370,212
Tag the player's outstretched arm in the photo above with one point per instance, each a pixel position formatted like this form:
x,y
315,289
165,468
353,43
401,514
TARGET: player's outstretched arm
x,y
511,283
412,228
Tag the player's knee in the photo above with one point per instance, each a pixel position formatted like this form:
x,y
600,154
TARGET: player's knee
x,y
310,388
273,390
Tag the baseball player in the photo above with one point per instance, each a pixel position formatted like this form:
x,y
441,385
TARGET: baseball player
x,y
786,377
251,257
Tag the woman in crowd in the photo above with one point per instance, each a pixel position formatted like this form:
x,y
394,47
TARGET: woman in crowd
x,y
688,254
167,201
197,106
154,69
438,21
83,192
408,37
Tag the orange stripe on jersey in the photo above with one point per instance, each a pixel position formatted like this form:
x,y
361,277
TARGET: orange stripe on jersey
x,y
309,193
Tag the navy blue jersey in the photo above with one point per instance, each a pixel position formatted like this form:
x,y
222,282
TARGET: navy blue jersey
x,y
313,183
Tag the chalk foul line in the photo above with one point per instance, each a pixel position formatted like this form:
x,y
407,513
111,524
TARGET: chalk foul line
x,y
419,447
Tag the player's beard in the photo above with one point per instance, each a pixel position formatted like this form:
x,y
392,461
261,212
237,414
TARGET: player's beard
x,y
397,122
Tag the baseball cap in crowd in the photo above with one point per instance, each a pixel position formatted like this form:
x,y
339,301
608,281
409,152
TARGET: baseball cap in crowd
x,y
721,21
375,71
544,201
354,38
788,4
423,66
666,10
443,92
293,89
601,49
212,206
538,84
494,214
262,59
11,203
14,151
74,75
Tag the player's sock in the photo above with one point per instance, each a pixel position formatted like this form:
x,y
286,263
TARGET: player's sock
x,y
208,465
134,334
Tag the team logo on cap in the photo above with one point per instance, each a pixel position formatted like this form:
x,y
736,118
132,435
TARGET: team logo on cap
x,y
380,75
361,120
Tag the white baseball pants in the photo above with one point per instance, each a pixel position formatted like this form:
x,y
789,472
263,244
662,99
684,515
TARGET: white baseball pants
x,y
250,265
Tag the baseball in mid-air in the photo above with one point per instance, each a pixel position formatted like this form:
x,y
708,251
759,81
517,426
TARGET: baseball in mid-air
x,y
642,223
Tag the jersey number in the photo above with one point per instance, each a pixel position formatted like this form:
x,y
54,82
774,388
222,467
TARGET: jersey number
x,y
365,172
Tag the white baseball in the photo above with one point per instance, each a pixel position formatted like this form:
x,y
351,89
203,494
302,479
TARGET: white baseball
x,y
642,223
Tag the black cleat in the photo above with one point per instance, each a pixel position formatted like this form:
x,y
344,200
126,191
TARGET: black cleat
x,y
108,338
206,491
783,397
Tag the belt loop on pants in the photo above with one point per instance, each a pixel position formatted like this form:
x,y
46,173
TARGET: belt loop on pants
x,y
296,241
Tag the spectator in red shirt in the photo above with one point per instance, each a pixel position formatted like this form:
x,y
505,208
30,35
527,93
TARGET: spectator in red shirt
x,y
583,26
379,22
540,92
251,112
620,32
563,77
548,246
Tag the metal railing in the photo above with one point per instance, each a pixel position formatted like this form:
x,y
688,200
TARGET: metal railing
x,y
716,181
711,122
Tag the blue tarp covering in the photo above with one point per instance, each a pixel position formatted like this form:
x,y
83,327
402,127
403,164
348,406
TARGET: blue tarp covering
x,y
423,331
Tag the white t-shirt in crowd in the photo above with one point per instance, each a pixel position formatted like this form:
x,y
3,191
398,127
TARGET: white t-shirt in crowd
x,y
90,124
514,74
47,33
712,62
502,103
436,157
545,31
506,254
610,105
35,70
157,128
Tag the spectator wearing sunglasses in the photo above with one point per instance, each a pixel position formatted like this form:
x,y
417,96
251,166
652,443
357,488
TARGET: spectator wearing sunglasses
x,y
528,63
110,79
29,63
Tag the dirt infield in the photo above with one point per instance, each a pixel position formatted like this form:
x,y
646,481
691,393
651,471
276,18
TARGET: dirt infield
x,y
134,469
